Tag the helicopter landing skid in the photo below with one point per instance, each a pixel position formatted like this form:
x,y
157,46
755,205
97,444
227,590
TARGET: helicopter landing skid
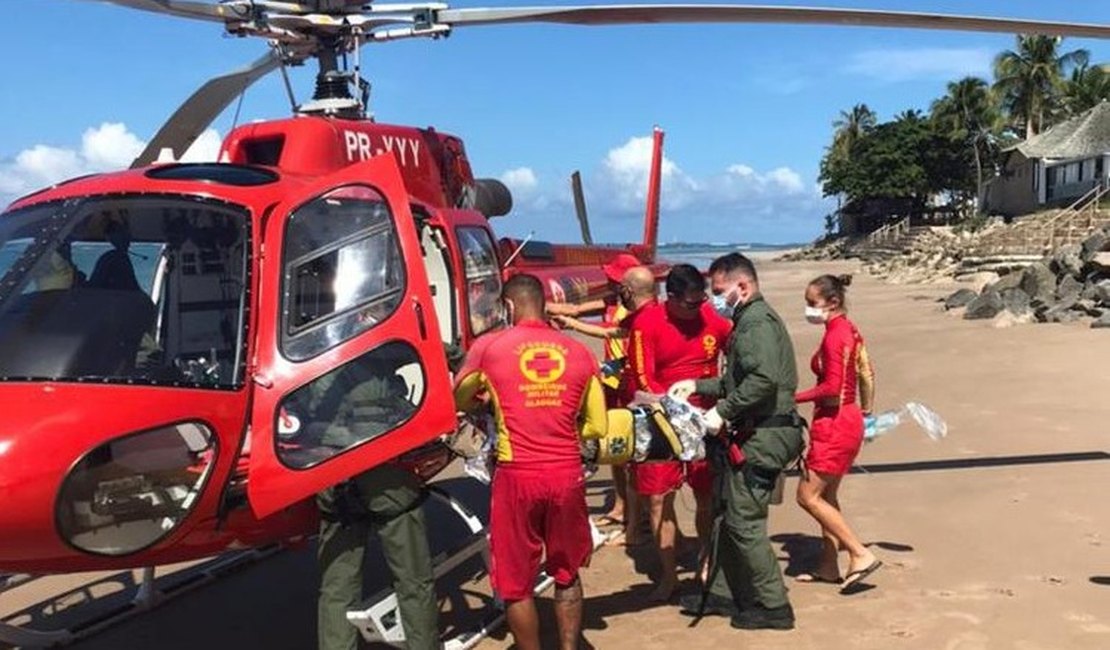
x,y
378,619
147,596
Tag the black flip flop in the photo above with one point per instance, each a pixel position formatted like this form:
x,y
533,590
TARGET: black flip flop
x,y
855,577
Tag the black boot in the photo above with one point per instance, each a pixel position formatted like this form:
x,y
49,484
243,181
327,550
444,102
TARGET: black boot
x,y
759,617
714,605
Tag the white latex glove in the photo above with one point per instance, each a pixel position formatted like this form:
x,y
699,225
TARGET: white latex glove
x,y
712,419
682,389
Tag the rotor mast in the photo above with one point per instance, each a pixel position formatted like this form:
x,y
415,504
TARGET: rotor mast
x,y
333,86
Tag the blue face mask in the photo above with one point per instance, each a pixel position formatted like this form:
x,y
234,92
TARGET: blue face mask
x,y
722,304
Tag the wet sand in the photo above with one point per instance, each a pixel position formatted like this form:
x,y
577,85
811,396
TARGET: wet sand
x,y
996,537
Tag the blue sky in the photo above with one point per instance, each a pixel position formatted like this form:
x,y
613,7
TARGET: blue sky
x,y
747,109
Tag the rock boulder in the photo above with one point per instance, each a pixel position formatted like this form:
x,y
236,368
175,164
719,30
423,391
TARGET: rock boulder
x,y
987,305
1039,282
960,298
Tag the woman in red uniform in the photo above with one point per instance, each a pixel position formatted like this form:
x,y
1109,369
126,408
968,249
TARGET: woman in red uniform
x,y
842,370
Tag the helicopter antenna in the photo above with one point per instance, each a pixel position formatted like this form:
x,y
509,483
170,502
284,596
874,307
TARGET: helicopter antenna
x,y
288,85
238,108
363,85
519,248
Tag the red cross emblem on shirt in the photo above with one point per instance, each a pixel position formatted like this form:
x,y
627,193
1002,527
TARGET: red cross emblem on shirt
x,y
542,365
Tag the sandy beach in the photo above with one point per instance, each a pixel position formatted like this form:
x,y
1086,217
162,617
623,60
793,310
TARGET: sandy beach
x,y
996,537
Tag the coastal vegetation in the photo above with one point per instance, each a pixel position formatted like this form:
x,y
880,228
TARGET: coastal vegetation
x,y
943,157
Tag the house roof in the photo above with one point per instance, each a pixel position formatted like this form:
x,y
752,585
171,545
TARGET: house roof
x,y
1086,134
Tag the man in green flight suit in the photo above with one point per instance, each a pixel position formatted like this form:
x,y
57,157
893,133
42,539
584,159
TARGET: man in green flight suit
x,y
358,403
760,435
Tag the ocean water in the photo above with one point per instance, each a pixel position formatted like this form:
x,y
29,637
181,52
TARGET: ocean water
x,y
702,255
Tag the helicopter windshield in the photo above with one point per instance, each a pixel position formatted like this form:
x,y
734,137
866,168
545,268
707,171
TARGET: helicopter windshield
x,y
124,289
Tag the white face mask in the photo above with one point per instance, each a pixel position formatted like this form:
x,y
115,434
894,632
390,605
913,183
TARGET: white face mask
x,y
723,305
816,315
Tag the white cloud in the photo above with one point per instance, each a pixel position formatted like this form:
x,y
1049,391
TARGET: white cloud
x,y
894,65
739,203
110,146
521,179
205,149
624,177
107,147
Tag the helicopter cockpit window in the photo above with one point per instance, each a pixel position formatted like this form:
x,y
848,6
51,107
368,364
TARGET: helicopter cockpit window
x,y
343,270
124,289
483,278
350,405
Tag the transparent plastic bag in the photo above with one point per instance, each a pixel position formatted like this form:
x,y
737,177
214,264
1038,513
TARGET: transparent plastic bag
x,y
686,420
927,419
480,465
689,425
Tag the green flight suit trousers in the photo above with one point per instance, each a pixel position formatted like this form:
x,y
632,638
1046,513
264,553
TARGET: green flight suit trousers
x,y
746,569
391,495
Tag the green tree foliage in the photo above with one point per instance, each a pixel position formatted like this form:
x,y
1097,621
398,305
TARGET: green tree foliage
x,y
968,115
958,147
1029,80
1087,86
851,127
903,158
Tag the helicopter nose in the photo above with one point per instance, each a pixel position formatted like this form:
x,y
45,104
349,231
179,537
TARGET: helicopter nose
x,y
26,522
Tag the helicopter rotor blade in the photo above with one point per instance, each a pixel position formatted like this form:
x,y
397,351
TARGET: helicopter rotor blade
x,y
636,14
181,8
202,107
580,207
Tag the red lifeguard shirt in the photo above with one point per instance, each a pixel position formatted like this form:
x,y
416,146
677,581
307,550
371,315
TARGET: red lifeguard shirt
x,y
544,390
665,349
842,366
629,385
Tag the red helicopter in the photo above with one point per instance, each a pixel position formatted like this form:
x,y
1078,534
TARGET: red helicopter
x,y
174,336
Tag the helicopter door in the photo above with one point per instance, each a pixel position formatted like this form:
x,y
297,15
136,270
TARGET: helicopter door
x,y
351,370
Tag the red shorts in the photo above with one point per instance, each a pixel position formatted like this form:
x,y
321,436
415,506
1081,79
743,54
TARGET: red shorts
x,y
699,477
665,476
834,440
533,513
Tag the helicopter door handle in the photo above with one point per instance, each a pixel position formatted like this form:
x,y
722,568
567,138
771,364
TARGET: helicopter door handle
x,y
263,381
423,327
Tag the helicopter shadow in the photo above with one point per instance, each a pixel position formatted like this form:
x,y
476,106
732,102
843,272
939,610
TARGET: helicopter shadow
x,y
270,603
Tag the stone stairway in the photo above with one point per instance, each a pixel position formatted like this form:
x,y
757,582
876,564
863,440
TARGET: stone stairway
x,y
1043,233
884,245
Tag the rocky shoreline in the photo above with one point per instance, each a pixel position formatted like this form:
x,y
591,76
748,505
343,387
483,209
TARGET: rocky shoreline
x,y
1071,284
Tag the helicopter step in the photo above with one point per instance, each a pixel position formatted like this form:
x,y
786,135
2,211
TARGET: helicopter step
x,y
378,619
148,594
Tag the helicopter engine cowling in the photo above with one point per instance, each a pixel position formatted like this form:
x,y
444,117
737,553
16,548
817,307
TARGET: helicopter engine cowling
x,y
492,197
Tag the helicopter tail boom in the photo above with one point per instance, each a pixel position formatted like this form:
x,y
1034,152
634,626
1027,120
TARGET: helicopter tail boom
x,y
651,213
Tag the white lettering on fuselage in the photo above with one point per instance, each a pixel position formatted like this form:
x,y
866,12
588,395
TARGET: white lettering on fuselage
x,y
359,147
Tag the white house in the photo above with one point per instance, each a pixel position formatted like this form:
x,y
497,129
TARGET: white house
x,y
1053,168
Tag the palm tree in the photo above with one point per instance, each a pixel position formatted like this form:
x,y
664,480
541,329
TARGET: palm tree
x,y
1087,87
1029,79
968,113
850,128
909,115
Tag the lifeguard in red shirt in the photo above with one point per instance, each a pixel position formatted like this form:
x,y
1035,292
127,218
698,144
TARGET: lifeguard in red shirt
x,y
613,309
679,339
637,294
841,365
546,396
